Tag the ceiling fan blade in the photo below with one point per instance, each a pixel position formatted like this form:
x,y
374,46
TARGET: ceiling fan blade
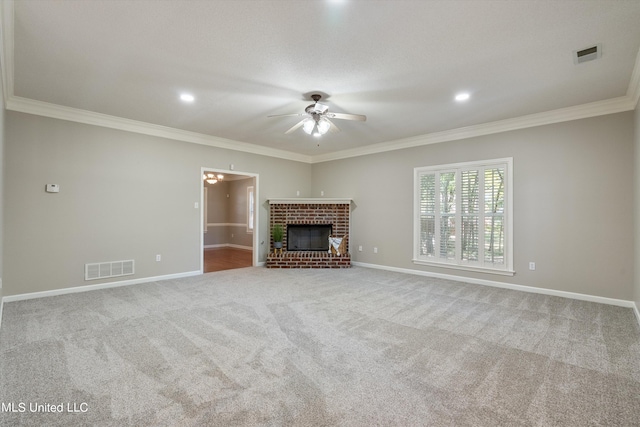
x,y
343,116
288,115
333,128
294,127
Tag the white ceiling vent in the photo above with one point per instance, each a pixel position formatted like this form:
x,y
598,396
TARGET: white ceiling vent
x,y
103,270
588,54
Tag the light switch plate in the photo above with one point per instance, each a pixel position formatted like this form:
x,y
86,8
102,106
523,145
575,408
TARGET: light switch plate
x,y
52,188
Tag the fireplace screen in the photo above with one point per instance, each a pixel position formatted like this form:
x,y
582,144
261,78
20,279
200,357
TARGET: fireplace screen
x,y
308,237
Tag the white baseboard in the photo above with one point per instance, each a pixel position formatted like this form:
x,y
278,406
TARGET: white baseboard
x,y
228,245
219,245
86,288
512,286
564,294
246,248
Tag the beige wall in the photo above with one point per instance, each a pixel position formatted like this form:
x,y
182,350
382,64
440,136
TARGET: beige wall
x,y
216,213
125,195
2,180
122,196
636,198
573,207
237,213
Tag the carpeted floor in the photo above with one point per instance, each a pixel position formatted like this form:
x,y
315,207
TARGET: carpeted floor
x,y
354,347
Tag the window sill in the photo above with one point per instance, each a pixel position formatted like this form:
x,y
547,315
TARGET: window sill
x,y
465,268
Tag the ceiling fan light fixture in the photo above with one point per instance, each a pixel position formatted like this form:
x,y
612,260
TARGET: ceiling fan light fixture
x,y
317,121
308,125
323,126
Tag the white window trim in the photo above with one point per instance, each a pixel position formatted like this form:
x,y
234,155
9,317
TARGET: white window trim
x,y
508,269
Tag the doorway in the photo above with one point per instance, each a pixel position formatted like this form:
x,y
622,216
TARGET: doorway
x,y
229,220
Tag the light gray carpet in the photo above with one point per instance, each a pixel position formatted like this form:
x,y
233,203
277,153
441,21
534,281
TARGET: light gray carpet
x,y
351,347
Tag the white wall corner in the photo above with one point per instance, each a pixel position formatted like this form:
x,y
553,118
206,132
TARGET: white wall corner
x,y
633,91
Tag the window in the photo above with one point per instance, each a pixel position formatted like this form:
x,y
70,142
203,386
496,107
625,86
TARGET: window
x,y
463,216
250,209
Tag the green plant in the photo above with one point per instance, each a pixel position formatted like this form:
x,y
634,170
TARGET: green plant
x,y
277,233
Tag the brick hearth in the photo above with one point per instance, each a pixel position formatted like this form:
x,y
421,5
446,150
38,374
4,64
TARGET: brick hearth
x,y
309,211
312,259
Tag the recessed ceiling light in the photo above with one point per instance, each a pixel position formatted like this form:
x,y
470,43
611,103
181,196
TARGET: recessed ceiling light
x,y
462,96
187,97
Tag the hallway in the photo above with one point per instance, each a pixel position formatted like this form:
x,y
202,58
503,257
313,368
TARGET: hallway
x,y
219,259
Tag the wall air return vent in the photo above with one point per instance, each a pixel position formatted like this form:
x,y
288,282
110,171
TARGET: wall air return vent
x,y
588,54
103,270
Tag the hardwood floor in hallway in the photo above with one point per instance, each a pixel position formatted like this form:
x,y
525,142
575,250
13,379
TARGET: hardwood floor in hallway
x,y
219,259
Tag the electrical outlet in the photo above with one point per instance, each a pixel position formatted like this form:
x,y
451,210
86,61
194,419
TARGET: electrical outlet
x,y
158,258
375,250
360,248
532,266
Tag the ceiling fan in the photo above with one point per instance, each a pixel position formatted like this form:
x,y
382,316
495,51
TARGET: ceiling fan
x,y
317,121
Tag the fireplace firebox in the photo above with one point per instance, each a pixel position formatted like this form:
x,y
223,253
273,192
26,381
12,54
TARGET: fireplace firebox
x,y
308,237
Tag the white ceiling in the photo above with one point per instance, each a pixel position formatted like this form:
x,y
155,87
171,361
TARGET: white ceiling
x,y
400,63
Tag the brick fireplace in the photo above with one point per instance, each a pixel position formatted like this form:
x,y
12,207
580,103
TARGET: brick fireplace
x,y
336,212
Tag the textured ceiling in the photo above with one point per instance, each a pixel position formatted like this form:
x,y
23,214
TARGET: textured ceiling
x,y
400,63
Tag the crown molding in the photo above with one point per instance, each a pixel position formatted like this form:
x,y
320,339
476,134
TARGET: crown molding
x,y
30,106
599,108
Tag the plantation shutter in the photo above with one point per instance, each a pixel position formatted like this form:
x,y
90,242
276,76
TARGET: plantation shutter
x,y
427,214
462,218
494,236
469,236
447,211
